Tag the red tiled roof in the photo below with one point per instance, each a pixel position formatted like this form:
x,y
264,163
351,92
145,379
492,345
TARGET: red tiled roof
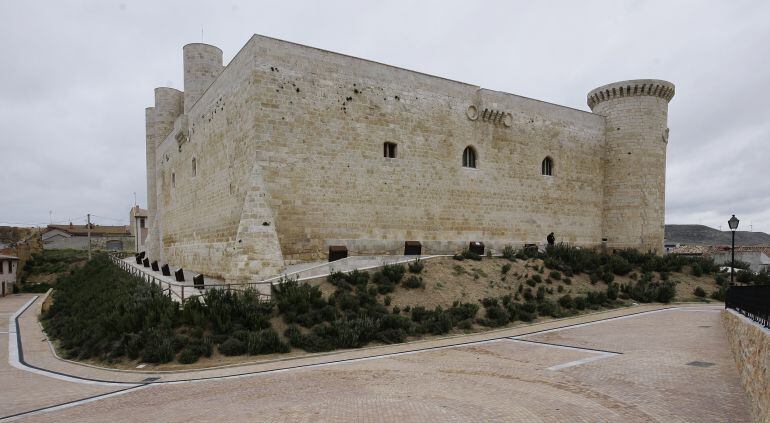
x,y
82,230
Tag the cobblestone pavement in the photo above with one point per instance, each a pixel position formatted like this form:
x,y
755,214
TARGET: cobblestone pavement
x,y
640,373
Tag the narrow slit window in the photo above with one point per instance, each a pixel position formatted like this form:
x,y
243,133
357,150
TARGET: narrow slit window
x,y
469,157
547,166
194,167
173,180
389,150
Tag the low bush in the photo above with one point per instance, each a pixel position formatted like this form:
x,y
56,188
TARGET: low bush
x,y
506,268
470,255
413,282
555,275
696,270
509,253
232,346
566,301
394,272
416,266
266,341
699,292
646,290
188,356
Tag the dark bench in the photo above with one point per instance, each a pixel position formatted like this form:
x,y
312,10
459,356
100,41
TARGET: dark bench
x,y
412,248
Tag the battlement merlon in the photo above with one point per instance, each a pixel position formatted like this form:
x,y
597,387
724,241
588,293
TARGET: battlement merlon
x,y
631,88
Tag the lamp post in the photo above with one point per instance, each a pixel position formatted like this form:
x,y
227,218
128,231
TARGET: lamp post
x,y
733,222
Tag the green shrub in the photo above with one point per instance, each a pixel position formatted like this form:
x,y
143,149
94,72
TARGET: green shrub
x,y
416,266
555,275
158,347
537,278
394,272
413,282
463,311
560,289
619,265
613,290
470,255
744,276
531,282
699,292
697,270
548,308
495,316
566,301
188,356
37,288
580,302
98,306
458,257
265,341
719,294
645,290
596,297
540,293
509,253
387,300
232,346
567,281
506,268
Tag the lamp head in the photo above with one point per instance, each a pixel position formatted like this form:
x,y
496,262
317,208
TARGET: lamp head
x,y
733,222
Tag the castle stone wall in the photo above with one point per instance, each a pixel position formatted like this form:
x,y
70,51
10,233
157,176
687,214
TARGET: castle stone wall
x,y
293,136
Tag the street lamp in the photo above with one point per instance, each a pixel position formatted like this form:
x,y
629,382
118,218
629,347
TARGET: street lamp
x,y
733,222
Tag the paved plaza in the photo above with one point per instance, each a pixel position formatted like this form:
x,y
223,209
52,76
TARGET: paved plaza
x,y
640,364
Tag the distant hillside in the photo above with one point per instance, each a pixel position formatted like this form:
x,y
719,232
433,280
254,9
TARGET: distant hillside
x,y
10,234
703,235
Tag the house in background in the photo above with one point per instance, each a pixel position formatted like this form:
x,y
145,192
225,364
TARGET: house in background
x,y
138,227
112,238
757,256
8,268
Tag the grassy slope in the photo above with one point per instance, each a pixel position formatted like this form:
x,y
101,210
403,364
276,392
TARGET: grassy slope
x,y
46,266
447,280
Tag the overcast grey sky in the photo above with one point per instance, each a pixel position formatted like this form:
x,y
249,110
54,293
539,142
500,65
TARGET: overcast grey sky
x,y
76,76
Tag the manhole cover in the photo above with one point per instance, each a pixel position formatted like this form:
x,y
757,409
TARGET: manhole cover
x,y
700,364
150,379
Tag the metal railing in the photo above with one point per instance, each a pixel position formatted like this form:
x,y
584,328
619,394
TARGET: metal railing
x,y
178,290
751,301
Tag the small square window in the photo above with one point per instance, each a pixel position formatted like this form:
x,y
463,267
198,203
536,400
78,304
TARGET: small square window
x,y
389,150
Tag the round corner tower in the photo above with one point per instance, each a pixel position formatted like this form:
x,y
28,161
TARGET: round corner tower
x,y
636,134
202,65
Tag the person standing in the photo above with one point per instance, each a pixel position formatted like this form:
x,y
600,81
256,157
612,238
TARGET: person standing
x,y
551,239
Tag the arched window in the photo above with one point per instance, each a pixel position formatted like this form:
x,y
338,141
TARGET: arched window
x,y
547,166
194,167
389,150
469,157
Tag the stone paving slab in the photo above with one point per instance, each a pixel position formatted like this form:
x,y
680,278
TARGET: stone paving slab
x,y
24,391
39,353
500,380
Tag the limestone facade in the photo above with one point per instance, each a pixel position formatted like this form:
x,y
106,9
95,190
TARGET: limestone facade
x,y
750,343
282,155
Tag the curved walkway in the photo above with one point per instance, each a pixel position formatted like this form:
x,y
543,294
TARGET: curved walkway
x,y
47,386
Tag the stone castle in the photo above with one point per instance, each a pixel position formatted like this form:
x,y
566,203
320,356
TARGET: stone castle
x,y
290,149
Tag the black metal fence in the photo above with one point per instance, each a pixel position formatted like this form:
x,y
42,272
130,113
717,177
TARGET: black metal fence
x,y
751,301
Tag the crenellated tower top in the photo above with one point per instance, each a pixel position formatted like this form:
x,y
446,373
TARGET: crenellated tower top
x,y
636,87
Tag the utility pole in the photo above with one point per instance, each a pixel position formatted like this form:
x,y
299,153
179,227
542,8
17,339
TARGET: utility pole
x,y
89,236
